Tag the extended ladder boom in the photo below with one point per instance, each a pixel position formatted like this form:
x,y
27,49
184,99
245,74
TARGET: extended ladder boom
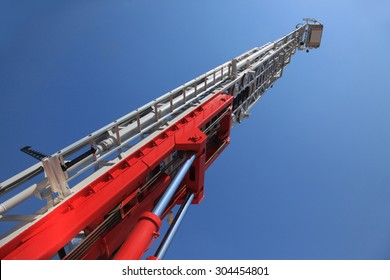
x,y
102,190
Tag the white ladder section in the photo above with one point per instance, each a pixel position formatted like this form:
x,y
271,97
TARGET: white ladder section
x,y
246,77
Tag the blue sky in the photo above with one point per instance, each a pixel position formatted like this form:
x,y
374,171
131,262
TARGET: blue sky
x,y
307,176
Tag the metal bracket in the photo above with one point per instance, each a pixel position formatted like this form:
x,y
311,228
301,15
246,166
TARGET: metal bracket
x,y
56,176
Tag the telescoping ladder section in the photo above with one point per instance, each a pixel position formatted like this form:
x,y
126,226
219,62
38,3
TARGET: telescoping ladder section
x,y
203,110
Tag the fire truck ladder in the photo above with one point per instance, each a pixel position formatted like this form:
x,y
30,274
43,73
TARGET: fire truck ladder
x,y
105,195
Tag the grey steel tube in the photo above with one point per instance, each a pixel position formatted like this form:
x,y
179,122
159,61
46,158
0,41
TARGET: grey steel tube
x,y
162,249
17,199
167,196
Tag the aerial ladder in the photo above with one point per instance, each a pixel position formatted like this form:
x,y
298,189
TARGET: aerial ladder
x,y
105,196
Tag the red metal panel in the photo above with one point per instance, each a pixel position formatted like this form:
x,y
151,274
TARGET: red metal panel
x,y
55,230
112,240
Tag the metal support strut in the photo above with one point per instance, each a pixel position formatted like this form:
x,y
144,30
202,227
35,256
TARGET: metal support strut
x,y
162,249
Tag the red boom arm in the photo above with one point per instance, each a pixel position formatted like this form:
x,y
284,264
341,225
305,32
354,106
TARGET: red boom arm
x,y
118,203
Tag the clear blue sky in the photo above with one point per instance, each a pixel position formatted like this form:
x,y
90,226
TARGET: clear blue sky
x,y
307,176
